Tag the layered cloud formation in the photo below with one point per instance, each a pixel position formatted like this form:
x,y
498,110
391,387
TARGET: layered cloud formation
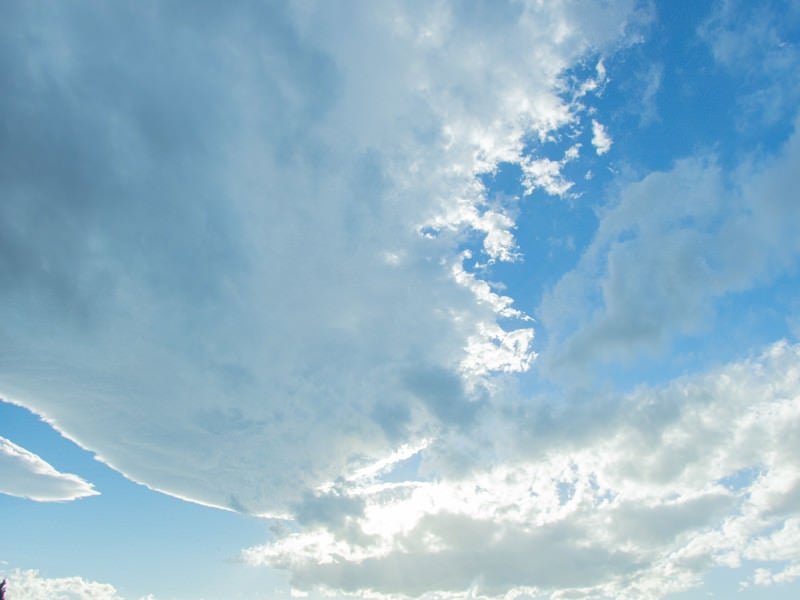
x,y
26,475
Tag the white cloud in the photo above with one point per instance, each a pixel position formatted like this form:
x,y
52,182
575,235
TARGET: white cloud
x,y
198,208
30,585
600,138
26,475
701,472
546,174
766,577
502,305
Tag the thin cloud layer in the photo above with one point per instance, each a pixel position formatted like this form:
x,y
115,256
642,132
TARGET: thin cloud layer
x,y
26,475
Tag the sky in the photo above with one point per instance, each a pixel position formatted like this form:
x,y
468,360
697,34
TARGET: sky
x,y
399,300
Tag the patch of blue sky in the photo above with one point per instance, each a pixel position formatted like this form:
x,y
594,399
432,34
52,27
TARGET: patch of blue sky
x,y
665,99
741,479
98,536
551,232
404,470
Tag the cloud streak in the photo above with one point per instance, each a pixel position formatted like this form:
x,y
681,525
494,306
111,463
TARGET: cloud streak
x,y
25,475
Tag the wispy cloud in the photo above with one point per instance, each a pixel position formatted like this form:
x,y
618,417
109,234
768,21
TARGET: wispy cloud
x,y
26,475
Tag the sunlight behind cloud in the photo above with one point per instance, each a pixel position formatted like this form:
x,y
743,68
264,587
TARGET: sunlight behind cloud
x,y
640,504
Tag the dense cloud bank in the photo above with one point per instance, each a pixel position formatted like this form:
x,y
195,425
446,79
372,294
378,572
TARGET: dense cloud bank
x,y
699,473
229,234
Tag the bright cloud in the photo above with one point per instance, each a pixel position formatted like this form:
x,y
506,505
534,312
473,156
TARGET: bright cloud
x,y
600,138
26,475
30,585
547,174
680,478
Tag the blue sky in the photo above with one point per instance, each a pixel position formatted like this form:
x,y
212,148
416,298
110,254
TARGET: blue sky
x,y
395,300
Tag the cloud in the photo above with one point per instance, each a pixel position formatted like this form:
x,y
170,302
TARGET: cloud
x,y
766,577
600,138
26,475
726,231
698,473
652,79
546,174
30,585
227,231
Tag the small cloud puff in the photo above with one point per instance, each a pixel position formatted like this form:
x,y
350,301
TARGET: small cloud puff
x,y
600,138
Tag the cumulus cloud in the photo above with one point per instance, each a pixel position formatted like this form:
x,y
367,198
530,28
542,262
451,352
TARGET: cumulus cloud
x,y
227,231
698,473
26,475
725,230
29,584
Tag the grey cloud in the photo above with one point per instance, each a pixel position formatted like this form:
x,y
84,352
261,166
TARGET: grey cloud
x,y
654,526
180,259
198,205
329,509
477,553
443,393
